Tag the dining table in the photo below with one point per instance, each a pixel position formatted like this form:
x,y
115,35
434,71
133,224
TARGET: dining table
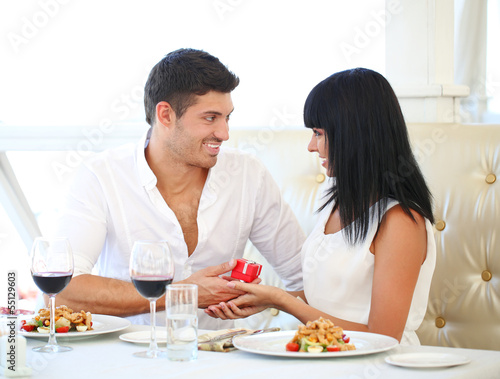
x,y
107,356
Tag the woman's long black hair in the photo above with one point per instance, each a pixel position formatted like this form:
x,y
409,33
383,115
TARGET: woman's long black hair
x,y
369,151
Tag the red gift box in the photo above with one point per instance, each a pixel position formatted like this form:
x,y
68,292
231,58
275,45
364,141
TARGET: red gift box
x,y
246,270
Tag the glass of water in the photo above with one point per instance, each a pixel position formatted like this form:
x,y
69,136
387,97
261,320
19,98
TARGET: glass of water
x,y
182,322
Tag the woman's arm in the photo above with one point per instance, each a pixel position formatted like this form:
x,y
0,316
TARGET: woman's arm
x,y
400,248
259,297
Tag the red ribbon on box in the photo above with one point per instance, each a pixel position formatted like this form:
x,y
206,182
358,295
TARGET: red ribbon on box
x,y
246,270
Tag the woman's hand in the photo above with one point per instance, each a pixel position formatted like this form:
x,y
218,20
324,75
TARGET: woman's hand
x,y
229,311
256,299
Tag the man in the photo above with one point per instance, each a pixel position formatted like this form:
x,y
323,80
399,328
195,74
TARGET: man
x,y
176,184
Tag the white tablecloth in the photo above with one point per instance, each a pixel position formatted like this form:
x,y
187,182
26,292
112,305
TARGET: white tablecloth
x,y
106,356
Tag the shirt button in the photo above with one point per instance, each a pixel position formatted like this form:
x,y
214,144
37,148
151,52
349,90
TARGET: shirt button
x,y
187,271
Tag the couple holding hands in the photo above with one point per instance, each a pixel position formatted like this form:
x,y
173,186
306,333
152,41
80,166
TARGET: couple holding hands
x,y
366,266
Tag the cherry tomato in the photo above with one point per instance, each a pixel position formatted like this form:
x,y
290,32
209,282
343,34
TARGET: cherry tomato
x,y
62,329
345,338
332,348
292,346
28,328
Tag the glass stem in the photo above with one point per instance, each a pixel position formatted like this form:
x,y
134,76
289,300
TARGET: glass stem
x,y
153,346
52,335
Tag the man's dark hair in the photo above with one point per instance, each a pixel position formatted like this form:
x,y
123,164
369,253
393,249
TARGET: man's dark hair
x,y
180,76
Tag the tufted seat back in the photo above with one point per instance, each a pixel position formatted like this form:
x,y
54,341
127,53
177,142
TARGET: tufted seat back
x,y
461,164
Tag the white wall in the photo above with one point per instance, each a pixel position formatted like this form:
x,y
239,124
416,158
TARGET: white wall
x,y
420,60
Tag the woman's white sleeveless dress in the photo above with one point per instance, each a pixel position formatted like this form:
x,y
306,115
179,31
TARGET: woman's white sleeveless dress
x,y
338,277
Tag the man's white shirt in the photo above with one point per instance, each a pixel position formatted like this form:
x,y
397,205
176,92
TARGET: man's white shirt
x,y
114,201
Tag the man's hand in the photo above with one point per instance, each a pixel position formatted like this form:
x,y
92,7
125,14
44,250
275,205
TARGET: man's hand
x,y
211,288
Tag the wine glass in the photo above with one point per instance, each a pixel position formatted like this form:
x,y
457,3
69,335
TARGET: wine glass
x,y
51,269
151,270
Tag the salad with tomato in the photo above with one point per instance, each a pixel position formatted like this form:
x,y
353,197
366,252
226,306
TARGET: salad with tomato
x,y
320,336
65,320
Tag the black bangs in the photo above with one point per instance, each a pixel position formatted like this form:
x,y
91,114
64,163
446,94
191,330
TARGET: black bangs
x,y
314,102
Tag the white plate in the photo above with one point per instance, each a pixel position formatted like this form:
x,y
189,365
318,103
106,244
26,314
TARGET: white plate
x,y
275,344
144,336
101,324
426,360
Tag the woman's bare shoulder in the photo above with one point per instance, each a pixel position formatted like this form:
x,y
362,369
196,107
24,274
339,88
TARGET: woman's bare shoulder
x,y
400,231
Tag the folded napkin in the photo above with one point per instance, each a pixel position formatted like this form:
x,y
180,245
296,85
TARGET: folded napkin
x,y
222,340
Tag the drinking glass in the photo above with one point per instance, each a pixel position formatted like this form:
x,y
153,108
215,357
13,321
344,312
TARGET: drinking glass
x,y
151,270
181,303
51,269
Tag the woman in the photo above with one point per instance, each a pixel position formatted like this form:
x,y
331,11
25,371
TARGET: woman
x,y
368,263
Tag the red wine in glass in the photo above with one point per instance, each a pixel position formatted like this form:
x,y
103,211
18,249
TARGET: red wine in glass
x,y
51,269
151,269
151,287
52,282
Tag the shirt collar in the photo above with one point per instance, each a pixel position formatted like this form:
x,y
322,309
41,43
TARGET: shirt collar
x,y
146,175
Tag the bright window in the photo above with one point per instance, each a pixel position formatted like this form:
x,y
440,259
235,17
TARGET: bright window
x,y
492,82
66,62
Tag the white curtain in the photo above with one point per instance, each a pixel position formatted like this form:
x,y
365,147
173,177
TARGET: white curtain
x,y
470,56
